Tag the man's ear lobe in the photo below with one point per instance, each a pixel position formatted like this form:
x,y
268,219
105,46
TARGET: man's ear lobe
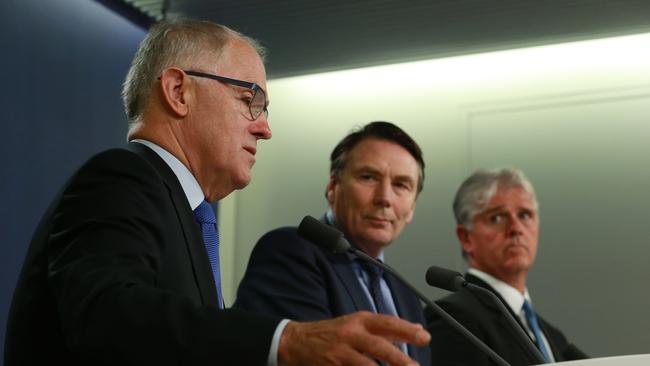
x,y
463,237
330,189
174,91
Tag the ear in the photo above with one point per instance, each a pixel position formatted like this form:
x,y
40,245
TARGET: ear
x,y
464,238
331,185
174,89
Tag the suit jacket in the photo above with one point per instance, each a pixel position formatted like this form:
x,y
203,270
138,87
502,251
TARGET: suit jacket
x,y
481,316
117,274
290,277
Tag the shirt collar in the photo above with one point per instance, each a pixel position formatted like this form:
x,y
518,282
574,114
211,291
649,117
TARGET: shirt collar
x,y
510,295
189,184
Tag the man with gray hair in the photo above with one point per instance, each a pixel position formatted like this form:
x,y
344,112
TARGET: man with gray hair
x,y
497,225
124,266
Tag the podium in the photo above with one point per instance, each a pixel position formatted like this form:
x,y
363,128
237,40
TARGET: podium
x,y
630,360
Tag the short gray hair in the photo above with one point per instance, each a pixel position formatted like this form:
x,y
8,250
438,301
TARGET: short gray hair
x,y
477,190
180,43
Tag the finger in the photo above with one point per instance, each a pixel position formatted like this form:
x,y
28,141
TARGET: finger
x,y
381,349
354,358
396,329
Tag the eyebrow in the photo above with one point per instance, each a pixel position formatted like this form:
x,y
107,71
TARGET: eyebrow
x,y
373,170
502,208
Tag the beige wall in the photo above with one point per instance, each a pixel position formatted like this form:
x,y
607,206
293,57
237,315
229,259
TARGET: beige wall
x,y
574,117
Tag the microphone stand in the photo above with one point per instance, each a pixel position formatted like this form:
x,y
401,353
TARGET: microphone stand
x,y
474,339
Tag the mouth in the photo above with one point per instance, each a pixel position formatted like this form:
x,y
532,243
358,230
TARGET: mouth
x,y
517,247
251,150
378,221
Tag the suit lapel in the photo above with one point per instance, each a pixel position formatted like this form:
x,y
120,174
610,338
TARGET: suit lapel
x,y
488,303
344,269
550,338
191,232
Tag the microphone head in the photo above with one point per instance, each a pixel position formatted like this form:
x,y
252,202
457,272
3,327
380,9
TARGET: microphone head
x,y
445,279
323,235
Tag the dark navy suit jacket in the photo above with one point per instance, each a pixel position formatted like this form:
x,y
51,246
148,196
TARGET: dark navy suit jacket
x,y
117,274
481,316
290,277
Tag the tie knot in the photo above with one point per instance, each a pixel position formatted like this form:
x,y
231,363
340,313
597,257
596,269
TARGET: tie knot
x,y
372,270
528,308
204,214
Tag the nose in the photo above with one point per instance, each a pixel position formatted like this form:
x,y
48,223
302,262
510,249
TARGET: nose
x,y
515,227
260,128
383,193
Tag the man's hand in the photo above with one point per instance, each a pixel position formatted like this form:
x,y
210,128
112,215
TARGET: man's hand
x,y
355,339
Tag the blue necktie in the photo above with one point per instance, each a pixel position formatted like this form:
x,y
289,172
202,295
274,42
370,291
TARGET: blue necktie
x,y
204,215
531,318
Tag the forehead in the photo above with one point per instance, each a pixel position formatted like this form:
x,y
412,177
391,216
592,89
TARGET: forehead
x,y
379,153
239,60
513,197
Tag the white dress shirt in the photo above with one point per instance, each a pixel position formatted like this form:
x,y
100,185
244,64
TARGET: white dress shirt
x,y
514,299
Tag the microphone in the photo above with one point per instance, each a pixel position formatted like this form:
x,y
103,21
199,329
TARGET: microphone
x,y
445,279
332,240
453,281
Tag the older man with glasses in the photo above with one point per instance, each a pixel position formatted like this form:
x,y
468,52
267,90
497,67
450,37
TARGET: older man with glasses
x,y
124,267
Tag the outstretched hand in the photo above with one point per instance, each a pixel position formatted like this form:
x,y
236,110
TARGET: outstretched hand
x,y
355,339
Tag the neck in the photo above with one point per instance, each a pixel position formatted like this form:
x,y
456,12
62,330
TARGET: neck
x,y
516,280
163,135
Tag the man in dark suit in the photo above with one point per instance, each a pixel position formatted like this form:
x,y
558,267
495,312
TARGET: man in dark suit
x,y
123,268
376,174
497,226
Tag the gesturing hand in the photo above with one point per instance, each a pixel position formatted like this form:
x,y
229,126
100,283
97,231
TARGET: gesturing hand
x,y
354,339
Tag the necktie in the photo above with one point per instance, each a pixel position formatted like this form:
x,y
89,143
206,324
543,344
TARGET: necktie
x,y
374,286
531,318
204,215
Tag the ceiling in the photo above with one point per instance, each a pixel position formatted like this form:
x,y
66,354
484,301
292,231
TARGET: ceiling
x,y
306,36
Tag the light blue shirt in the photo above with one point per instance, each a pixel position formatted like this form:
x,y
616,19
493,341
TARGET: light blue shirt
x,y
364,280
195,196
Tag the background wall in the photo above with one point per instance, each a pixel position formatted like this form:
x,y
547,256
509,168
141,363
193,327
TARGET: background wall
x,y
62,66
574,117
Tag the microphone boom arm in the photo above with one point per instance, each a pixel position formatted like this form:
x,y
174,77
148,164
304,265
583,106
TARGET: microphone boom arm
x,y
448,318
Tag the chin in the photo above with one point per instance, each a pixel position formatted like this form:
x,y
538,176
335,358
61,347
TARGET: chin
x,y
242,180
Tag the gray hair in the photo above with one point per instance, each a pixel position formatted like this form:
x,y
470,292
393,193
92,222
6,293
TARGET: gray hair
x,y
477,190
180,43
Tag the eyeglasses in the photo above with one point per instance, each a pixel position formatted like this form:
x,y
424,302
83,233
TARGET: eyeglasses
x,y
256,105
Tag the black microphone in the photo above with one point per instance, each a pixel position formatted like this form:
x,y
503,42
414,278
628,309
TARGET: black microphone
x,y
445,279
332,240
453,281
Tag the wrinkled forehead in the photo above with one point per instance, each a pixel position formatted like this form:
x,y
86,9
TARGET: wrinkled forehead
x,y
506,196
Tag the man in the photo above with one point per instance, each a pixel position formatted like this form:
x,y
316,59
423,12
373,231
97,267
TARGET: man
x,y
123,268
375,176
497,226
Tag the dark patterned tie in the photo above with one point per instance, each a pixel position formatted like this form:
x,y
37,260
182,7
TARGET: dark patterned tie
x,y
204,215
374,286
531,318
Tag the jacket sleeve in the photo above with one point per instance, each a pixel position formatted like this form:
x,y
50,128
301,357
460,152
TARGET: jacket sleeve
x,y
286,277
